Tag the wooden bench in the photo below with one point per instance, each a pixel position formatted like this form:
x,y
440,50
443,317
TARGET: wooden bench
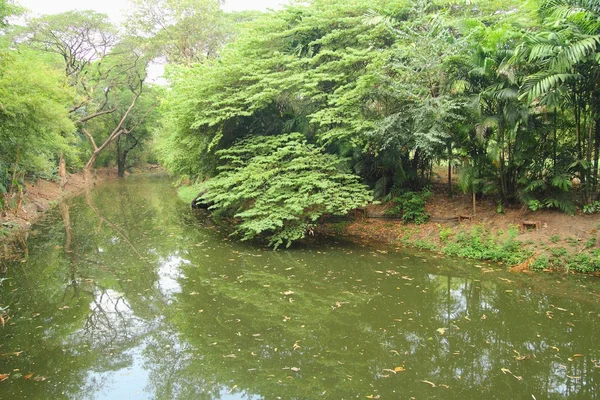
x,y
462,218
524,225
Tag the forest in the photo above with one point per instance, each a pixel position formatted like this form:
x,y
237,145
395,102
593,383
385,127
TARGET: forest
x,y
323,106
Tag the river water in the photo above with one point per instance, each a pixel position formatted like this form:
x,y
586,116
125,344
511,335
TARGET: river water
x,y
126,294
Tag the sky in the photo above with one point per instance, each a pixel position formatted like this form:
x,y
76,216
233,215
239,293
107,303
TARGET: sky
x,y
114,8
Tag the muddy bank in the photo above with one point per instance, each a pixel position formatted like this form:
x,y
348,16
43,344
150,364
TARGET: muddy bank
x,y
40,195
559,242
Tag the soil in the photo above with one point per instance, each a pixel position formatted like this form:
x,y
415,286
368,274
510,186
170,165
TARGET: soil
x,y
39,195
575,233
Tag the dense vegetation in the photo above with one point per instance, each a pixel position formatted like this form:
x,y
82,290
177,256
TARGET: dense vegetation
x,y
508,91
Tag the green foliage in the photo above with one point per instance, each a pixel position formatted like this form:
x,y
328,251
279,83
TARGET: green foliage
x,y
482,245
534,205
445,234
411,206
583,262
184,31
279,186
591,242
555,238
592,208
34,117
541,263
482,86
188,193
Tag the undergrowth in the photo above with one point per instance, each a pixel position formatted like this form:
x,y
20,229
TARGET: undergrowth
x,y
478,243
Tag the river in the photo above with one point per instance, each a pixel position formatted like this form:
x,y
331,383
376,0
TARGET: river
x,y
127,294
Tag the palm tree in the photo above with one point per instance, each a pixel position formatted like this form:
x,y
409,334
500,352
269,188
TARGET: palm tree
x,y
566,55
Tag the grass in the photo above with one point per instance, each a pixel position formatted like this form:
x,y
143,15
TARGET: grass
x,y
188,193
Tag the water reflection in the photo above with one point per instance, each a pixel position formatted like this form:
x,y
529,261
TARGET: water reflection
x,y
124,294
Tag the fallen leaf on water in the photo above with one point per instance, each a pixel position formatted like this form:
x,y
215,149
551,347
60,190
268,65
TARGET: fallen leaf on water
x,y
39,378
577,355
295,369
288,293
430,383
554,348
507,371
441,331
28,376
230,356
444,386
4,377
399,369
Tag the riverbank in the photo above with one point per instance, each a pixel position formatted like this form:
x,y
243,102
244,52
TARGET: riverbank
x,y
560,242
39,196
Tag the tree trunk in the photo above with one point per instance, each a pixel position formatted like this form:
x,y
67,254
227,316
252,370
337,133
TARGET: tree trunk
x,y
121,167
596,156
87,170
62,171
450,169
123,153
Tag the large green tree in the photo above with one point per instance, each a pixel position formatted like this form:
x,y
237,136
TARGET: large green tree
x,y
102,66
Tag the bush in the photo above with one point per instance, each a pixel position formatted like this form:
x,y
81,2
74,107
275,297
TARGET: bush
x,y
480,244
279,186
540,263
411,206
592,208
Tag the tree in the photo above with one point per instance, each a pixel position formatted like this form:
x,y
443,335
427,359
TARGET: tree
x,y
566,58
280,186
99,64
184,32
34,119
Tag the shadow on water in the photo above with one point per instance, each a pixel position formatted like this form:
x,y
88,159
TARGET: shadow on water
x,y
125,293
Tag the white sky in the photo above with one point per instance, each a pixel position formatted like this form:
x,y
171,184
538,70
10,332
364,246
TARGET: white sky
x,y
114,8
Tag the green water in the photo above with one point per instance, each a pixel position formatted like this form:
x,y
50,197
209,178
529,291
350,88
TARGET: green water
x,y
128,295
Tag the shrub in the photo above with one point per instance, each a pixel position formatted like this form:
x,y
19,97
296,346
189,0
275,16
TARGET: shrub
x,y
482,245
411,205
542,262
279,186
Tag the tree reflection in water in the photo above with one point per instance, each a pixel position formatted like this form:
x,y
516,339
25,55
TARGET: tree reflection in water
x,y
125,294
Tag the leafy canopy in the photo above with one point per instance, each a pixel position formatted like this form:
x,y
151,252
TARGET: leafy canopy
x,y
280,186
